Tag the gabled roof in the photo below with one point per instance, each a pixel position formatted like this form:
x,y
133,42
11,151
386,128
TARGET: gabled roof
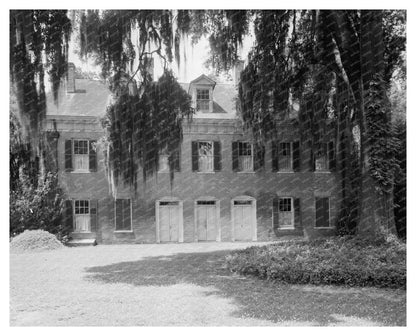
x,y
202,80
224,100
90,99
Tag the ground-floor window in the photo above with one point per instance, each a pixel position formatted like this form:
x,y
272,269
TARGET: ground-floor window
x,y
322,212
123,214
283,213
82,215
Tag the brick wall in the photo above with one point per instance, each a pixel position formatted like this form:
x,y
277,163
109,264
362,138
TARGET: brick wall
x,y
189,186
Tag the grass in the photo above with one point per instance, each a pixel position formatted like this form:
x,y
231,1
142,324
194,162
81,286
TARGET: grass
x,y
178,285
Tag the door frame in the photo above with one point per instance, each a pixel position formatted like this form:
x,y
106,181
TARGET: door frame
x,y
217,222
253,216
180,218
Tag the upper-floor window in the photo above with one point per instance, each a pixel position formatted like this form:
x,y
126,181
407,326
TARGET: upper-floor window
x,y
321,157
202,100
165,163
206,156
80,155
245,156
285,156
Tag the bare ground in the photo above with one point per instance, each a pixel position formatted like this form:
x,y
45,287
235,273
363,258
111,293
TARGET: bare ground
x,y
178,284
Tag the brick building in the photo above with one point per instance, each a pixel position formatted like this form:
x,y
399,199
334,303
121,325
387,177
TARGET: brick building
x,y
224,188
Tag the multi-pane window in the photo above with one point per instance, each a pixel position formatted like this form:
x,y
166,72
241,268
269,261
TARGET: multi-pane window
x,y
205,156
245,156
82,207
202,100
285,156
321,157
163,163
123,214
322,212
283,210
81,155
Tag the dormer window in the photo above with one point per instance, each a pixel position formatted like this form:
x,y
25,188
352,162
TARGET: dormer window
x,y
202,90
202,100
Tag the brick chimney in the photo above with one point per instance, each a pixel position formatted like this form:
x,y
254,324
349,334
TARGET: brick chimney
x,y
70,78
238,67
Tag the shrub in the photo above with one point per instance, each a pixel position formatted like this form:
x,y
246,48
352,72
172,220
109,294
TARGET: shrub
x,y
37,207
335,261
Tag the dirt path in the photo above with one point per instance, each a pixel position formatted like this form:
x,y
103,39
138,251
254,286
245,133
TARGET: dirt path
x,y
177,284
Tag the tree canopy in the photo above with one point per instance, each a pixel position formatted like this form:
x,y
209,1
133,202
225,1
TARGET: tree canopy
x,y
337,65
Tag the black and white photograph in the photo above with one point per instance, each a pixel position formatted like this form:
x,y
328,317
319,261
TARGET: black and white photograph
x,y
207,167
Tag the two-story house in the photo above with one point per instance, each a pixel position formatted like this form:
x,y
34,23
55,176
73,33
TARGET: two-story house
x,y
225,188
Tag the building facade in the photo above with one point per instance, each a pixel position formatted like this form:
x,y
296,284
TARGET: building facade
x,y
224,187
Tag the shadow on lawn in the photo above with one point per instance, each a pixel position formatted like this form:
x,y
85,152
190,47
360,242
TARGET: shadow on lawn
x,y
255,298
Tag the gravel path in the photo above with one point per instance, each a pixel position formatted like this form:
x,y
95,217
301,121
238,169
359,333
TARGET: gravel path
x,y
177,284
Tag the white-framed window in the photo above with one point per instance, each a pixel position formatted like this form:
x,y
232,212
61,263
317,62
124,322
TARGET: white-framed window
x,y
123,214
202,100
81,155
205,156
163,163
82,216
82,207
245,156
321,157
286,216
285,156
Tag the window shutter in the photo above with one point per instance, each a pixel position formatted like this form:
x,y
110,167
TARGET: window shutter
x,y
217,155
119,214
93,215
68,219
312,158
194,155
93,156
258,156
275,156
177,161
298,220
174,161
126,215
296,156
332,156
68,155
275,212
322,211
235,155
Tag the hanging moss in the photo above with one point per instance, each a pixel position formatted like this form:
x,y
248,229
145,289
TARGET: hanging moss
x,y
139,128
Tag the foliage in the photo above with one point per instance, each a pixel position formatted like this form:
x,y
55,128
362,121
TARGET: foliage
x,y
400,179
35,203
139,128
38,207
337,261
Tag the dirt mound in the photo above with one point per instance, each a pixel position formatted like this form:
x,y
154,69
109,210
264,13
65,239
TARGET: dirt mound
x,y
34,240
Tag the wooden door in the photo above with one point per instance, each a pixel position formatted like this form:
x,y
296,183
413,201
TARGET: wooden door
x,y
169,221
243,220
206,218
